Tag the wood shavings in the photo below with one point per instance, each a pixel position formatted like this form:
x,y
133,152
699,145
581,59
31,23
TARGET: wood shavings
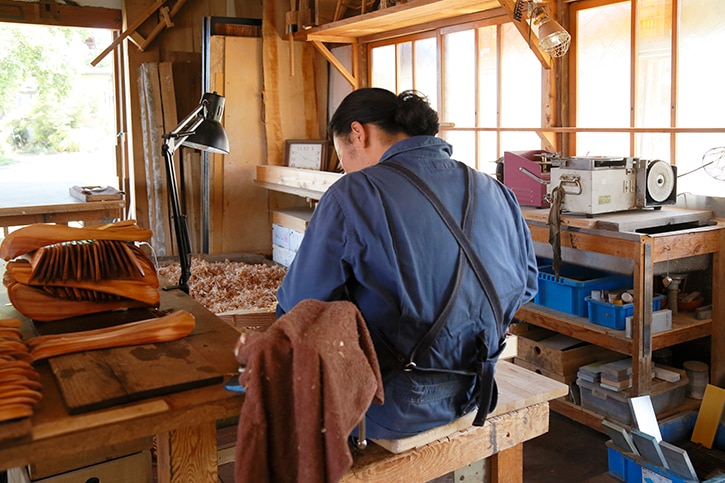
x,y
226,286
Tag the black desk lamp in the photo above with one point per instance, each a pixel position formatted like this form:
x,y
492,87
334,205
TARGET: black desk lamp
x,y
199,130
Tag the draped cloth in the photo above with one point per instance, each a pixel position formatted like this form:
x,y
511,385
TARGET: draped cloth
x,y
309,380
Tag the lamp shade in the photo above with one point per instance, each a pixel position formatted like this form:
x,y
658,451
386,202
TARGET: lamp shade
x,y
209,136
553,38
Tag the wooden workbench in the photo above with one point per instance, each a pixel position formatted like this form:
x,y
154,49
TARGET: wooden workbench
x,y
53,204
184,422
522,413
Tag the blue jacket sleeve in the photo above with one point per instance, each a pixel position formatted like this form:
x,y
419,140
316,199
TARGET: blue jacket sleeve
x,y
318,271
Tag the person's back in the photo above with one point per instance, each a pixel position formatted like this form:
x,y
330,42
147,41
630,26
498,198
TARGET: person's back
x,y
376,240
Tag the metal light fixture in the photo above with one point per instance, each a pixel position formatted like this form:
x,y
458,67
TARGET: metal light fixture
x,y
200,130
553,38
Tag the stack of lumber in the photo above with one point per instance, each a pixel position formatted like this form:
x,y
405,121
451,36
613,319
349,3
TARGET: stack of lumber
x,y
55,271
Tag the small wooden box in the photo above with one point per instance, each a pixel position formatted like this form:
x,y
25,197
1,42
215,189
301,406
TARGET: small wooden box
x,y
558,353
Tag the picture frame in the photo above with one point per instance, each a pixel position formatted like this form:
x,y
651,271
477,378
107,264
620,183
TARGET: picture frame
x,y
306,154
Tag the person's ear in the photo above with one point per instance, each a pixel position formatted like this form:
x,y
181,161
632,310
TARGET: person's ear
x,y
358,132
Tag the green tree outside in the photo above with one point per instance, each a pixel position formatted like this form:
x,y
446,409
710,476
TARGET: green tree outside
x,y
43,103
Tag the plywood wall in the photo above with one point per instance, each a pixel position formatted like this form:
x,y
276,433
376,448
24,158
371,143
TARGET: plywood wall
x,y
239,221
274,91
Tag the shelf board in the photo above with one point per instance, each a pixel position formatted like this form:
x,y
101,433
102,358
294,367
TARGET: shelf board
x,y
408,14
594,420
684,328
301,182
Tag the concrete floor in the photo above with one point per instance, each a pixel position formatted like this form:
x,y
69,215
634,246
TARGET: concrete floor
x,y
568,453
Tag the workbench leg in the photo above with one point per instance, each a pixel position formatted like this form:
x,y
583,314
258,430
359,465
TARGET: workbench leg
x,y
187,454
507,466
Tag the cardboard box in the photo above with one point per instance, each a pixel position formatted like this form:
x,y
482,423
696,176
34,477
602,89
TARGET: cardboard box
x,y
283,256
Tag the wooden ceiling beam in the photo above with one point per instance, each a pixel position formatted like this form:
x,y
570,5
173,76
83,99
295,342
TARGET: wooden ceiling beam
x,y
529,36
48,12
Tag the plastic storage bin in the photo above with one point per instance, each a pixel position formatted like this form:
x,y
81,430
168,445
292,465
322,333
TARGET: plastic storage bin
x,y
631,468
615,316
567,294
614,405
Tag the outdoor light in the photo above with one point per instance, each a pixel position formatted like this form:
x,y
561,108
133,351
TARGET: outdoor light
x,y
553,38
200,130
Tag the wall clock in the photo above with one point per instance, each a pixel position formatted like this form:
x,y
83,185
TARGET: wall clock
x,y
306,153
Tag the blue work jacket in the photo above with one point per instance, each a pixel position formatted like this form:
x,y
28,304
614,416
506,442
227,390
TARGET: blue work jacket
x,y
374,239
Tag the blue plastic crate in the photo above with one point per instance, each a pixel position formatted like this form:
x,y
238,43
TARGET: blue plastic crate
x,y
631,468
567,294
615,316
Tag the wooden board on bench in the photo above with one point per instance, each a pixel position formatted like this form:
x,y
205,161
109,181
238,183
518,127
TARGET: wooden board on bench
x,y
517,388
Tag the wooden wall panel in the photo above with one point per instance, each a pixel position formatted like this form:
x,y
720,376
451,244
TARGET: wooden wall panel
x,y
239,220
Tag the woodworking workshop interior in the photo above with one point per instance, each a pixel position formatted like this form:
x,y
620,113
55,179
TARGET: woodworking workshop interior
x,y
394,241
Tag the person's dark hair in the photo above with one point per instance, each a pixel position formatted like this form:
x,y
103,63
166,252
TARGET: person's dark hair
x,y
409,112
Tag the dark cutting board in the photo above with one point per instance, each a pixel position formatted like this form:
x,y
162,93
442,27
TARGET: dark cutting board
x,y
102,378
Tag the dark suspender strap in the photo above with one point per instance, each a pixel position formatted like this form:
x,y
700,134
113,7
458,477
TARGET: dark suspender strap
x,y
463,241
485,365
427,340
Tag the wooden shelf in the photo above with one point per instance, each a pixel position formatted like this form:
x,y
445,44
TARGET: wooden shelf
x,y
405,15
684,328
301,182
594,420
642,237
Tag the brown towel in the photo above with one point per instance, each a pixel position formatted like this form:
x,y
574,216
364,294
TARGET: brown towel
x,y
309,380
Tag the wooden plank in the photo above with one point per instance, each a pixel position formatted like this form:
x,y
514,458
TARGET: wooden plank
x,y
450,453
517,388
185,452
717,357
506,465
708,418
72,372
127,374
290,179
245,222
295,219
625,221
168,96
128,31
414,12
217,52
62,15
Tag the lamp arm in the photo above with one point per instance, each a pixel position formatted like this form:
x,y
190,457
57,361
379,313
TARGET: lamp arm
x,y
185,128
181,228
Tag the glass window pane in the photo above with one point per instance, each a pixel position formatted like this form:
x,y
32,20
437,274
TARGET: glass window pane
x,y
57,112
487,152
520,82
464,146
426,69
459,78
700,94
405,66
603,78
383,67
487,77
693,152
653,86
